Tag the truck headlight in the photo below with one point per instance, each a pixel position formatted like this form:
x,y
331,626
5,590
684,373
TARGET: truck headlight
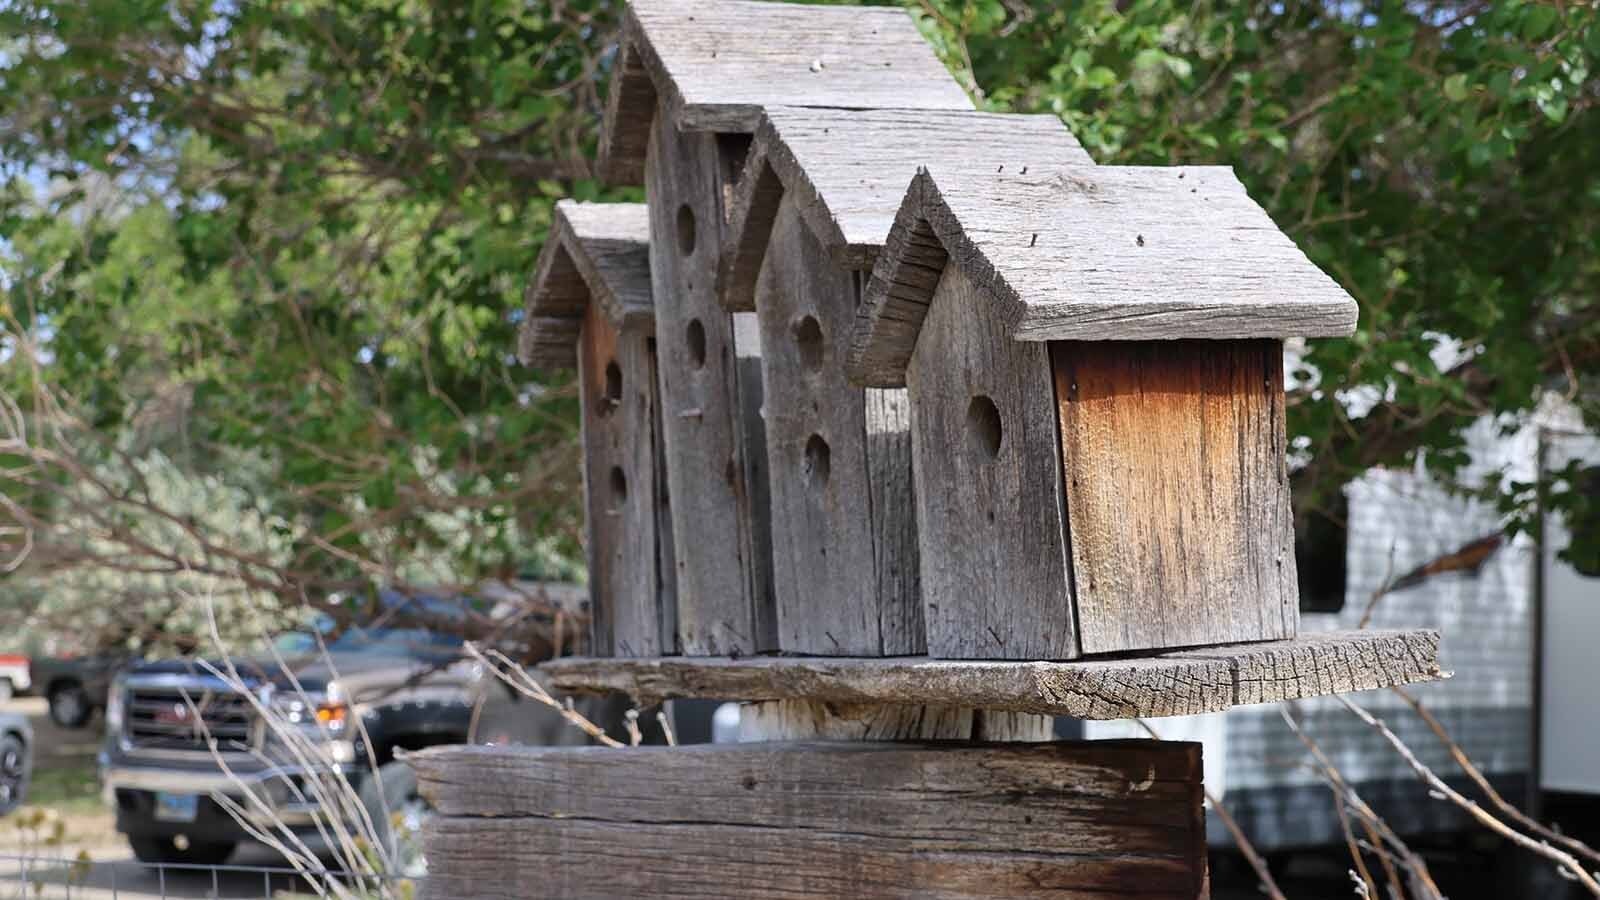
x,y
115,705
316,711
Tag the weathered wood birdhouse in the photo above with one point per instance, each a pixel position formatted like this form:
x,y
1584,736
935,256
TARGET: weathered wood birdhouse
x,y
1094,360
690,82
590,307
818,194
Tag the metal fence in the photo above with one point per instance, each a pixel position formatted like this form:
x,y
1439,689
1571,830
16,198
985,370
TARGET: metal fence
x,y
46,876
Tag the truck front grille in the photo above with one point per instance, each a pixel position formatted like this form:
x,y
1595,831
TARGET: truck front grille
x,y
186,719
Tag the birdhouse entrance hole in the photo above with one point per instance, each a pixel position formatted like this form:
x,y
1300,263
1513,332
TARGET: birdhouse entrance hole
x,y
983,426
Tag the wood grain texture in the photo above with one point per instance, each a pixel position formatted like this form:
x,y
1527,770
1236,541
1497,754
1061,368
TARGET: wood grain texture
x,y
595,253
631,104
995,581
1104,253
716,63
870,820
757,477
1177,492
840,468
719,581
817,720
850,169
1173,683
628,600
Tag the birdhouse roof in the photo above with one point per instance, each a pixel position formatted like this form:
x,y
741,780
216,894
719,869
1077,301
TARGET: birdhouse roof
x,y
850,167
597,252
1093,253
717,63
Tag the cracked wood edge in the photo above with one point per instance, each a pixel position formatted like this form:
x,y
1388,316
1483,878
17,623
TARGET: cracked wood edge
x,y
1173,683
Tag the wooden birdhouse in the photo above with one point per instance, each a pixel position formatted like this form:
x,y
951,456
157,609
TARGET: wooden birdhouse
x,y
590,308
818,194
1094,361
690,82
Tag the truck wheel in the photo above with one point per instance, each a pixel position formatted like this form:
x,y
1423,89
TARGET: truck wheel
x,y
394,787
70,706
13,772
165,850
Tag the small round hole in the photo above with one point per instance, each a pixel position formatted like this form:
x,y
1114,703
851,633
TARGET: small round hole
x,y
808,337
685,230
696,336
619,485
818,464
613,391
983,426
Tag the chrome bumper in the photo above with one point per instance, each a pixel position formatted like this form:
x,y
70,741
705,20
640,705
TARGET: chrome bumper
x,y
271,786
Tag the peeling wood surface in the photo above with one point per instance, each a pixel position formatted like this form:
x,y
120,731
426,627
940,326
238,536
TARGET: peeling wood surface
x,y
1174,683
843,515
849,169
595,253
988,487
716,63
721,591
1177,493
1063,819
1102,253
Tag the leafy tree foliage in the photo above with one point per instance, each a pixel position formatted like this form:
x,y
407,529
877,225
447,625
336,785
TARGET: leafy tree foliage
x,y
301,229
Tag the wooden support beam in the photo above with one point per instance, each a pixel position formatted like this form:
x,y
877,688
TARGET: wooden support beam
x,y
1175,683
1095,819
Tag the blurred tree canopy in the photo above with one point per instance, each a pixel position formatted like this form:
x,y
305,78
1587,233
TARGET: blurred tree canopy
x,y
297,233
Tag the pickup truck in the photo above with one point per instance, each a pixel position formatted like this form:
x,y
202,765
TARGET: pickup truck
x,y
75,686
359,700
16,675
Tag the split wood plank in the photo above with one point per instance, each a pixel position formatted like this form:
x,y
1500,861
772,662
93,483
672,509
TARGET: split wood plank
x,y
714,64
1068,820
1177,491
840,466
1095,253
988,486
816,720
849,169
1174,683
723,559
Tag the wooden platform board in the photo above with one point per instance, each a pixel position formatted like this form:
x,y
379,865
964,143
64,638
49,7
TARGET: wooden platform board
x,y
1099,819
1176,683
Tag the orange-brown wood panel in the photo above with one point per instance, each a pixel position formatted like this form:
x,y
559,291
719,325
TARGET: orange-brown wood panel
x,y
1177,492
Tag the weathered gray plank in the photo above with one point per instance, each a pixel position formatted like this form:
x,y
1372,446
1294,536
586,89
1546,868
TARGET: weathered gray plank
x,y
1177,492
988,486
715,63
1085,819
757,478
1102,253
1179,682
817,720
628,601
718,579
595,252
826,520
850,169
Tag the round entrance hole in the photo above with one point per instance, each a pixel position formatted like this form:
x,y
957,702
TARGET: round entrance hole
x,y
696,338
818,465
685,229
612,398
808,338
619,485
983,426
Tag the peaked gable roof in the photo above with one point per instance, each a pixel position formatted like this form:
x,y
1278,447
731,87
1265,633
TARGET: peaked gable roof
x,y
1093,253
595,252
717,63
850,169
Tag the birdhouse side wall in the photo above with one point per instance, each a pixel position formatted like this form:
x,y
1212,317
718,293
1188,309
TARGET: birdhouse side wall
x,y
843,516
1177,492
723,603
616,383
995,579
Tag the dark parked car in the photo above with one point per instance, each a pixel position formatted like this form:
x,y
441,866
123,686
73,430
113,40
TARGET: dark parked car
x,y
377,690
76,686
16,760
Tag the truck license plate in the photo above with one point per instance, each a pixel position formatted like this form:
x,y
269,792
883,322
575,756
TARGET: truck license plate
x,y
177,807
